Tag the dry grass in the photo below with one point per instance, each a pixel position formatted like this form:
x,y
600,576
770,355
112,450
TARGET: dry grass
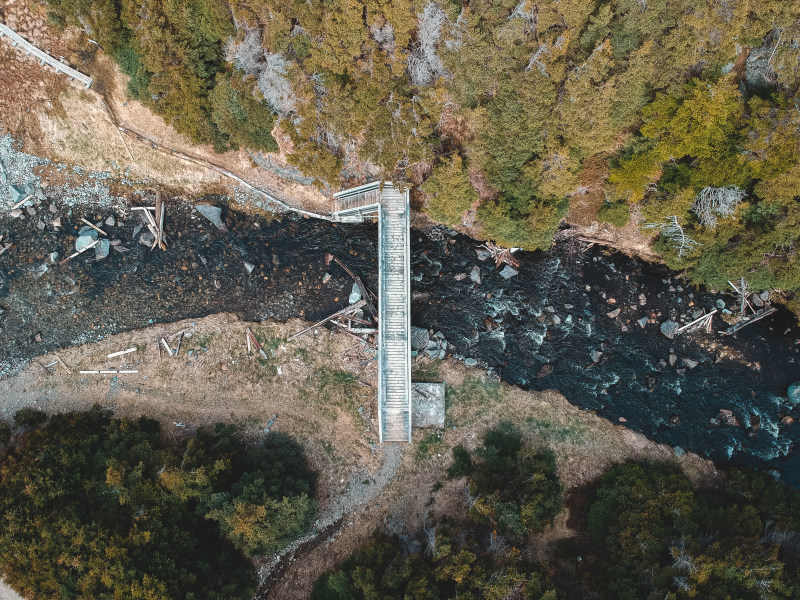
x,y
59,120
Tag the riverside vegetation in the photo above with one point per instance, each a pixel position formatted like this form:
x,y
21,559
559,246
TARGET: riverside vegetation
x,y
685,109
651,534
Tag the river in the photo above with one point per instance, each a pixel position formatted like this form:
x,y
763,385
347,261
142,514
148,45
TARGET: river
x,y
537,330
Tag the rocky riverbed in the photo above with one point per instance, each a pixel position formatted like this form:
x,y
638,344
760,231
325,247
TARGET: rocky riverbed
x,y
585,322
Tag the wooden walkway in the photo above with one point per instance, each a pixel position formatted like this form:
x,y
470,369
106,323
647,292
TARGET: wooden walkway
x,y
390,205
45,59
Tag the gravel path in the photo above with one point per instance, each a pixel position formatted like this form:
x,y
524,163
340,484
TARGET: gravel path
x,y
364,487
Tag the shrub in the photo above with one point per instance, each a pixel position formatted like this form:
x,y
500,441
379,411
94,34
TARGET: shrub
x,y
515,487
449,191
462,463
616,213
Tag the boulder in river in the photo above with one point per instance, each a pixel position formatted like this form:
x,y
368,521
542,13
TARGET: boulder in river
x,y
146,239
596,355
727,417
249,267
669,327
471,362
614,313
508,272
84,241
16,194
475,274
355,294
794,393
689,363
213,214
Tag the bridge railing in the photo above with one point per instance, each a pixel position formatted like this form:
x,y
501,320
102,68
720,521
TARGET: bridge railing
x,y
18,40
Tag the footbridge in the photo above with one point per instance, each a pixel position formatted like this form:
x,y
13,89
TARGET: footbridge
x,y
390,205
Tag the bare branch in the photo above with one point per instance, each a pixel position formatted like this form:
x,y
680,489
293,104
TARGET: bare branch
x,y
424,65
673,232
712,202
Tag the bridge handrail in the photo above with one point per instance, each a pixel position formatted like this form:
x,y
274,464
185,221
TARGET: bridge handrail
x,y
44,57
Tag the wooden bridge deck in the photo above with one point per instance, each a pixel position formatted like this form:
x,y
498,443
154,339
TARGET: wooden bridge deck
x,y
44,58
394,299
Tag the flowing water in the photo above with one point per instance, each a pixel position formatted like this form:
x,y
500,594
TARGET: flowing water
x,y
537,330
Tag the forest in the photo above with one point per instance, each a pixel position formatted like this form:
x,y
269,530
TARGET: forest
x,y
680,115
94,505
99,508
646,533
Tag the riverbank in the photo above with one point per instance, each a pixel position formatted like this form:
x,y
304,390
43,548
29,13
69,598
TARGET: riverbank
x,y
584,321
362,485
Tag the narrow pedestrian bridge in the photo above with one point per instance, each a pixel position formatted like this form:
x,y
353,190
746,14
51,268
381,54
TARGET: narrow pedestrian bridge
x,y
390,205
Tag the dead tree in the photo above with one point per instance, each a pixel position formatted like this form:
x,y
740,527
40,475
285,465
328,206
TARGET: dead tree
x,y
675,234
713,202
424,65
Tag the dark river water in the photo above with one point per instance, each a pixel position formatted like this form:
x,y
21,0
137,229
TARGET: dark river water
x,y
537,330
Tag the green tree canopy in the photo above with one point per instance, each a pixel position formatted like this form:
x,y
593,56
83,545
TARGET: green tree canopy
x,y
95,507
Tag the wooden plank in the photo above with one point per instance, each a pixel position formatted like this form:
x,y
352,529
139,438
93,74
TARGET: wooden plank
x,y
764,312
18,40
696,321
158,215
93,226
73,255
121,352
344,311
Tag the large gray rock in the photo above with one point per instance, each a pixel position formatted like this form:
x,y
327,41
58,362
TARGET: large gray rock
x,y
419,338
668,328
213,214
794,393
355,294
84,241
508,272
16,193
475,274
147,239
102,249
